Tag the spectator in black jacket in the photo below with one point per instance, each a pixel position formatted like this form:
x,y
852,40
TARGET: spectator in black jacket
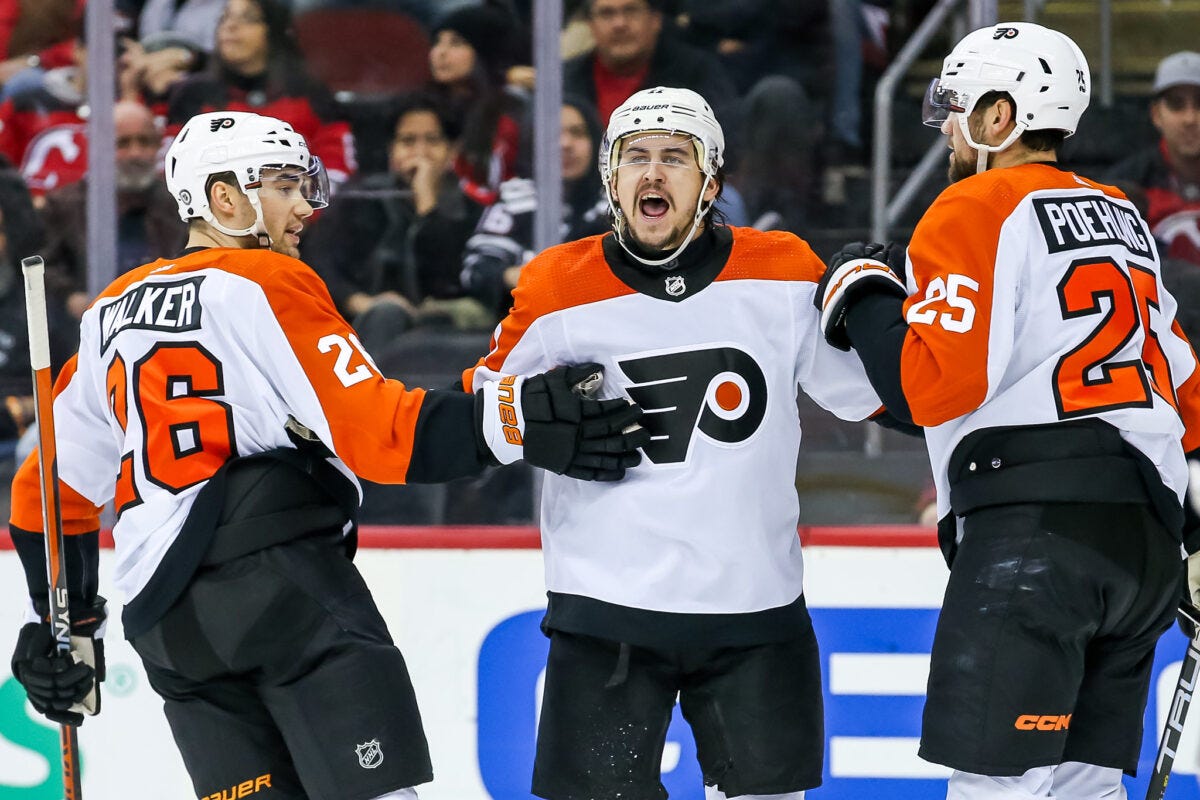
x,y
634,51
20,236
503,239
395,239
473,48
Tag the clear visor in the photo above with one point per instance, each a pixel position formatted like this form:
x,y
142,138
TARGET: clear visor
x,y
660,148
940,102
291,181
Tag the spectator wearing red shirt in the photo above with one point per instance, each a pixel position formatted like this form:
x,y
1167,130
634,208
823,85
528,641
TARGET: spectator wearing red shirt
x,y
43,127
257,67
634,51
37,34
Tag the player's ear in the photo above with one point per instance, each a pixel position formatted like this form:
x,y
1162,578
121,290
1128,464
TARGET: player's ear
x,y
223,197
1000,114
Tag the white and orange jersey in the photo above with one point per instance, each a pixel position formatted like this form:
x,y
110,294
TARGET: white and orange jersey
x,y
707,522
184,364
1036,297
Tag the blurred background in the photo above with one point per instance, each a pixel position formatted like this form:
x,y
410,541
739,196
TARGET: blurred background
x,y
462,138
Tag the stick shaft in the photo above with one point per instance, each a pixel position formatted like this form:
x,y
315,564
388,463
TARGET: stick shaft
x,y
56,573
1181,701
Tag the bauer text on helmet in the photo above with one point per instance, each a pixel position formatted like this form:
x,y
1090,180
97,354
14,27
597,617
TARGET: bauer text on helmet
x,y
243,145
667,117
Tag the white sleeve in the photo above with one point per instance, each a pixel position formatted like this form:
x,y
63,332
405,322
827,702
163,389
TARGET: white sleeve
x,y
834,379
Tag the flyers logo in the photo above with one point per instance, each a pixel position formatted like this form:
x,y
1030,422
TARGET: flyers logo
x,y
1005,33
720,392
220,122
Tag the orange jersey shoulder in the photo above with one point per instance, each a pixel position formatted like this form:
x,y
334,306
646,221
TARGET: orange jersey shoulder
x,y
568,275
771,256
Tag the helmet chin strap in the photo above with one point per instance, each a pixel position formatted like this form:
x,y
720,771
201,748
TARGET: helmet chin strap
x,y
983,150
696,219
259,228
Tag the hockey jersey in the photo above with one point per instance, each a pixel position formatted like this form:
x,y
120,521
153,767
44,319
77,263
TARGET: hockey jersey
x,y
1036,298
184,364
698,543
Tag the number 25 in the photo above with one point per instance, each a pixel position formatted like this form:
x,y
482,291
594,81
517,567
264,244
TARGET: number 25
x,y
948,291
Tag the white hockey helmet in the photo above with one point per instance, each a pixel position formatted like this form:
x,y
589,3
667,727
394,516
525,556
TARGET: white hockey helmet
x,y
243,144
665,109
668,110
1043,70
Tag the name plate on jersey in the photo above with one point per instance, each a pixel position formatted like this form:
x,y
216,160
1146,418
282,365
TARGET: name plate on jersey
x,y
171,307
1070,223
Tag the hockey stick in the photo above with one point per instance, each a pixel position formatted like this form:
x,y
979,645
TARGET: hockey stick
x,y
43,398
1179,707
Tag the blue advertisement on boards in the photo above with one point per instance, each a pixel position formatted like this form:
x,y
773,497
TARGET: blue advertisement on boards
x,y
874,663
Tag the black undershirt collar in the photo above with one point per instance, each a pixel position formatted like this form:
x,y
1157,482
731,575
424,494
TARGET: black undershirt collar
x,y
695,268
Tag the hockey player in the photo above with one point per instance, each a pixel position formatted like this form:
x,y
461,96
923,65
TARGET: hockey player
x,y
231,406
686,578
1029,332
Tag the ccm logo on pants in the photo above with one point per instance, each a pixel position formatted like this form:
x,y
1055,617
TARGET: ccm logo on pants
x,y
1045,722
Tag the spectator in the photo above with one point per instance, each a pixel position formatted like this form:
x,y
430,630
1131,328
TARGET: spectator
x,y
148,69
257,67
43,127
471,54
195,19
1169,171
395,239
148,225
20,236
633,52
503,240
777,175
35,35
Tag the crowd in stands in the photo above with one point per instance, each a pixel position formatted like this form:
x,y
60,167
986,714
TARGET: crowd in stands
x,y
434,199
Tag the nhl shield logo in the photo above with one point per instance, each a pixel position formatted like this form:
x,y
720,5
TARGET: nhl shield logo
x,y
370,755
675,285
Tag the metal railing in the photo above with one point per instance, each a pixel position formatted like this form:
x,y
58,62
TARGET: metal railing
x,y
979,13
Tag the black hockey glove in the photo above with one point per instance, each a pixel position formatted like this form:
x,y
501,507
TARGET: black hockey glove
x,y
550,422
63,687
857,268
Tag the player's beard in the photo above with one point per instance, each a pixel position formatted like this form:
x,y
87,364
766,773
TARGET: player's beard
x,y
678,234
961,167
965,167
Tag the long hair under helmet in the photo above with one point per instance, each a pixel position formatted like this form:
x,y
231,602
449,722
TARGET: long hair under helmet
x,y
667,110
1043,71
243,144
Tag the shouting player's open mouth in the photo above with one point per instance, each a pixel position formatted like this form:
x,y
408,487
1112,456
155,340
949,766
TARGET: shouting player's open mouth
x,y
653,206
